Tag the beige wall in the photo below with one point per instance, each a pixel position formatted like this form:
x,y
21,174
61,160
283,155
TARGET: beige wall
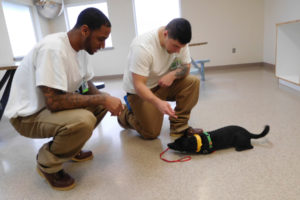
x,y
111,62
226,24
223,24
277,11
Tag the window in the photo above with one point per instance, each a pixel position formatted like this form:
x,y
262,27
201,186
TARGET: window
x,y
20,28
155,13
72,12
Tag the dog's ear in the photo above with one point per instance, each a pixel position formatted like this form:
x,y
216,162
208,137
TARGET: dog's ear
x,y
192,131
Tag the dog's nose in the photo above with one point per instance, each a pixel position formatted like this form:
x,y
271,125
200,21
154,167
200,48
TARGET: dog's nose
x,y
172,146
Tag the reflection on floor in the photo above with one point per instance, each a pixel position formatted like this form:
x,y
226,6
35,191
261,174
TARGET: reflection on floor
x,y
128,167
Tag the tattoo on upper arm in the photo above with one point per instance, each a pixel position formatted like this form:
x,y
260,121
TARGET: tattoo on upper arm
x,y
181,71
50,94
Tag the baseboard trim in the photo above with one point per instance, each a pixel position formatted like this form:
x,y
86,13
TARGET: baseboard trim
x,y
267,66
237,66
108,77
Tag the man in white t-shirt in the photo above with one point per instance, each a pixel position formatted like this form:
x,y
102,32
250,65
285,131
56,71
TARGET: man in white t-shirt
x,y
158,71
44,101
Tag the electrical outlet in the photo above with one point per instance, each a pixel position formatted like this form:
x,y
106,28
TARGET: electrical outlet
x,y
233,50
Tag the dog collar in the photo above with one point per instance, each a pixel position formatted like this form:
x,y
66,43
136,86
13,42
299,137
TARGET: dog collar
x,y
209,139
199,142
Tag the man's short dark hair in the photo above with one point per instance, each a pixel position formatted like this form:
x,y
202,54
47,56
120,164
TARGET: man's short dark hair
x,y
93,18
180,29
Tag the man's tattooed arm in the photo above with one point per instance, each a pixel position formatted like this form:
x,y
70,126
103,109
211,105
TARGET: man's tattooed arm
x,y
92,88
178,73
57,100
182,71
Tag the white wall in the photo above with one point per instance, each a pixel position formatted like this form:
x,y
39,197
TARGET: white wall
x,y
288,51
223,24
226,24
112,62
277,11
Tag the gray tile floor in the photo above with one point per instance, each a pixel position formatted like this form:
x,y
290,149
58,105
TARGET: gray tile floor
x,y
128,167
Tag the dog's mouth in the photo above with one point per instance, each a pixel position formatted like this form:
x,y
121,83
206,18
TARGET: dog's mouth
x,y
173,146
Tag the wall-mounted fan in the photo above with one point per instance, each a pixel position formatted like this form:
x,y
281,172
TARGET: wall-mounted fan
x,y
49,8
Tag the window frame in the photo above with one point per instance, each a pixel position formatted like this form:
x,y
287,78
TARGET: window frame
x,y
34,20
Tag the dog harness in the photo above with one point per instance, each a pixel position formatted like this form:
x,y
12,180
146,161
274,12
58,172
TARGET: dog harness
x,y
199,142
209,139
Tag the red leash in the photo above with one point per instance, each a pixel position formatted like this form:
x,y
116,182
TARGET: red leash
x,y
184,159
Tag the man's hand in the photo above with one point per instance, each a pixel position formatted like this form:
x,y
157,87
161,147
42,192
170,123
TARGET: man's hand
x,y
167,80
114,105
165,108
146,94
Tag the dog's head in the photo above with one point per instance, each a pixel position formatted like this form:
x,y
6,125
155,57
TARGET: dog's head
x,y
187,143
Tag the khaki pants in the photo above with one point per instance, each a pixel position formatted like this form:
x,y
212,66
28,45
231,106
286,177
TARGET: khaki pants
x,y
147,120
70,130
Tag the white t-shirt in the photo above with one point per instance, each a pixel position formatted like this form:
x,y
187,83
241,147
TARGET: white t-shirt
x,y
148,58
52,63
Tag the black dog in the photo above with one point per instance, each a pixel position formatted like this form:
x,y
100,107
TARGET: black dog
x,y
207,142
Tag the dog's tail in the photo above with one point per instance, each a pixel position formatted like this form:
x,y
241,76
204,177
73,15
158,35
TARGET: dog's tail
x,y
262,134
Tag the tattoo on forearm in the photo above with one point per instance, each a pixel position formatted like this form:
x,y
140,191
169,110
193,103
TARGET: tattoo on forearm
x,y
59,100
181,71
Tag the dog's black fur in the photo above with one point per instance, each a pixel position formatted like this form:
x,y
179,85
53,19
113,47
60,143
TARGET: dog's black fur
x,y
229,136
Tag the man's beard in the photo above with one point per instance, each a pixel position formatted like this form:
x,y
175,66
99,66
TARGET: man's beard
x,y
88,47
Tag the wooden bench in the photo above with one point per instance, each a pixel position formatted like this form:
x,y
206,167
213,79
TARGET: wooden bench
x,y
7,78
196,63
201,67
